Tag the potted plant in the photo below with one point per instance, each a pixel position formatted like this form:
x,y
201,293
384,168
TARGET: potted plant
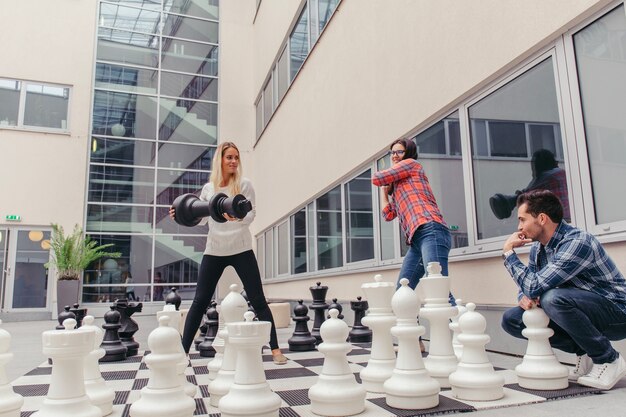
x,y
70,254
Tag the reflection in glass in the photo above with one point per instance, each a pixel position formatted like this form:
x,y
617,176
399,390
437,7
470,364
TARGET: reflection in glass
x,y
188,121
127,47
267,102
298,243
600,56
144,4
325,9
129,18
30,277
208,9
445,174
118,219
172,183
121,151
283,248
189,57
282,71
188,28
299,43
124,114
165,225
178,257
269,253
46,106
329,229
188,86
118,77
10,99
360,218
502,128
116,184
179,156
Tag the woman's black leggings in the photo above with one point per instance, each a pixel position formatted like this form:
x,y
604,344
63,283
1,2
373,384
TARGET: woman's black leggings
x,y
211,269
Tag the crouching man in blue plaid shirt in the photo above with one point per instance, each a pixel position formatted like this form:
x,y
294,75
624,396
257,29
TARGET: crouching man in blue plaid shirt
x,y
570,275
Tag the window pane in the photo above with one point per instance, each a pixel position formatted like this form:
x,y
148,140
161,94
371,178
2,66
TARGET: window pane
x,y
179,156
299,43
269,253
326,9
259,117
105,279
311,238
188,86
188,121
267,102
360,218
30,285
128,47
118,219
387,250
260,254
283,249
298,243
134,80
121,151
283,74
165,225
129,18
46,106
115,184
208,9
329,229
445,176
124,115
600,52
9,101
188,28
506,164
172,183
190,57
432,140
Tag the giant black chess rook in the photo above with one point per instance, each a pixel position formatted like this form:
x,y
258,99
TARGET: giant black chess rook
x,y
359,333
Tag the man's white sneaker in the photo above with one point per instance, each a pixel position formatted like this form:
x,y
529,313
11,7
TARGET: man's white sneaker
x,y
606,375
582,368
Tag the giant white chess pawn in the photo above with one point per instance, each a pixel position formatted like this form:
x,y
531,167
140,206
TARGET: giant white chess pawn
x,y
233,308
336,392
441,360
97,390
10,402
475,379
250,394
380,319
164,396
456,330
540,368
410,387
66,395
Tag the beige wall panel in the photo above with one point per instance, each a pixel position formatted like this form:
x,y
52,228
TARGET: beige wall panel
x,y
45,173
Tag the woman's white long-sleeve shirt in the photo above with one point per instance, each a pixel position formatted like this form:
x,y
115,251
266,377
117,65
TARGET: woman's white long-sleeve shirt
x,y
231,237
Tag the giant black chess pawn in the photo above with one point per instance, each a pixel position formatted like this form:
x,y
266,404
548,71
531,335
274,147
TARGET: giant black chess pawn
x,y
112,345
173,298
301,340
128,326
202,335
359,333
206,348
337,307
80,314
250,308
63,315
319,306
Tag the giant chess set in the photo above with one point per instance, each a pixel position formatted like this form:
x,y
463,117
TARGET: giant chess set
x,y
373,368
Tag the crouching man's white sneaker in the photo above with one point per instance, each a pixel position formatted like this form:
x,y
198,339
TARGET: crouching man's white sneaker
x,y
582,368
606,375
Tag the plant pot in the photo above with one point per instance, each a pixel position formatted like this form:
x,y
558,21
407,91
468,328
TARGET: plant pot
x,y
67,293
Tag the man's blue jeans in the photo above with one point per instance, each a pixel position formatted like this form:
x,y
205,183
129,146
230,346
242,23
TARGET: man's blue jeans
x,y
583,322
431,243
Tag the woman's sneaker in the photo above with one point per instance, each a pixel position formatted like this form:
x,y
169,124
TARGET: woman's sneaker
x,y
606,375
582,368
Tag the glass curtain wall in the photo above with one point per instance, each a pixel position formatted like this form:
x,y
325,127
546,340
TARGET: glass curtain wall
x,y
154,132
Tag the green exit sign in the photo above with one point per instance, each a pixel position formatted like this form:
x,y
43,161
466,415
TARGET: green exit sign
x,y
13,218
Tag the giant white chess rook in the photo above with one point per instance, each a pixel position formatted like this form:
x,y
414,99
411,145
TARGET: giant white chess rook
x,y
10,402
441,360
540,369
336,392
164,396
475,379
98,392
66,395
380,319
233,308
250,394
410,387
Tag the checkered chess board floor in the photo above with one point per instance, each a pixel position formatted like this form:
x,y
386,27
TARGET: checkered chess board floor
x,y
291,382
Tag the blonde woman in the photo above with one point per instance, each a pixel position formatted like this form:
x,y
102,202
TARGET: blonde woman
x,y
228,244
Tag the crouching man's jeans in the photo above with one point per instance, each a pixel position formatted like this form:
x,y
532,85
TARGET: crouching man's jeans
x,y
583,322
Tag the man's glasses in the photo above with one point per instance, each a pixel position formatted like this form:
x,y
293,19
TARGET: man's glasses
x,y
396,153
